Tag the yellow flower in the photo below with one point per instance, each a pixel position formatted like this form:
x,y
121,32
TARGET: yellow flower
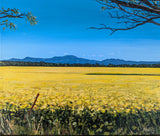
x,y
103,110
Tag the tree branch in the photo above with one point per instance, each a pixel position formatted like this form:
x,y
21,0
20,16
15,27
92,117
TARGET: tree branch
x,y
132,13
150,4
7,16
13,16
132,5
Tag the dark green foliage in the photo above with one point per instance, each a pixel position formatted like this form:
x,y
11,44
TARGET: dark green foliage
x,y
8,16
84,122
18,63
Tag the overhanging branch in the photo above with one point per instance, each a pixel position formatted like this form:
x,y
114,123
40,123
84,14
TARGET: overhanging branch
x,y
131,13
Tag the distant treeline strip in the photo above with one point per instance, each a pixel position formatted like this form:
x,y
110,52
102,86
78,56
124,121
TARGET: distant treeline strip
x,y
18,63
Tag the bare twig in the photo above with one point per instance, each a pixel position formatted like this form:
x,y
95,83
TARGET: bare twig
x,y
32,106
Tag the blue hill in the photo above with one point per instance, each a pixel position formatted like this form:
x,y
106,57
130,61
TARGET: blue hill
x,y
70,59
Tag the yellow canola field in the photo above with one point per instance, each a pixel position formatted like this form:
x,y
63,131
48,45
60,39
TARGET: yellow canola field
x,y
61,86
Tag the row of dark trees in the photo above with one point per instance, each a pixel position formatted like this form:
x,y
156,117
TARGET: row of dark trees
x,y
16,63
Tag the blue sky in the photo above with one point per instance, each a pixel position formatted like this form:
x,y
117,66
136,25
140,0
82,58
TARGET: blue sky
x,y
62,30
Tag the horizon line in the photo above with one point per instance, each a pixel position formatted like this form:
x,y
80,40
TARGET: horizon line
x,y
82,58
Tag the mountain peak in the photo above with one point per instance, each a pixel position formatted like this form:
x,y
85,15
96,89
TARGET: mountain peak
x,y
28,58
71,59
70,56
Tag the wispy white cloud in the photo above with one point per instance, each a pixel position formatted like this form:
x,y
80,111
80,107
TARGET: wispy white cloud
x,y
66,53
52,52
111,54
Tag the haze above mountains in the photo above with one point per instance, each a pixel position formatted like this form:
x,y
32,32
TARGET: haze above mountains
x,y
71,59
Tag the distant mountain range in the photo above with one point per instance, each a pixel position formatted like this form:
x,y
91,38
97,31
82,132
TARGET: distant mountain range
x,y
70,59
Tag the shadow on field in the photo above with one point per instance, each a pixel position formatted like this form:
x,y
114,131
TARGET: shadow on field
x,y
124,74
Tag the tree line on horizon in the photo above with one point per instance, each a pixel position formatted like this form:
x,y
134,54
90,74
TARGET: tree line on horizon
x,y
45,64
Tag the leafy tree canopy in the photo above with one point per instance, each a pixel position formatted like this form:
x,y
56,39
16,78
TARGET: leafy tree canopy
x,y
8,16
130,14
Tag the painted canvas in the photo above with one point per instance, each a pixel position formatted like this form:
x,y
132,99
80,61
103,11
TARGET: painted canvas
x,y
79,67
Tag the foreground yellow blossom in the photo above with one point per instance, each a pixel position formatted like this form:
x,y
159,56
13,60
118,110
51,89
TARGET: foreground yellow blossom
x,y
61,86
